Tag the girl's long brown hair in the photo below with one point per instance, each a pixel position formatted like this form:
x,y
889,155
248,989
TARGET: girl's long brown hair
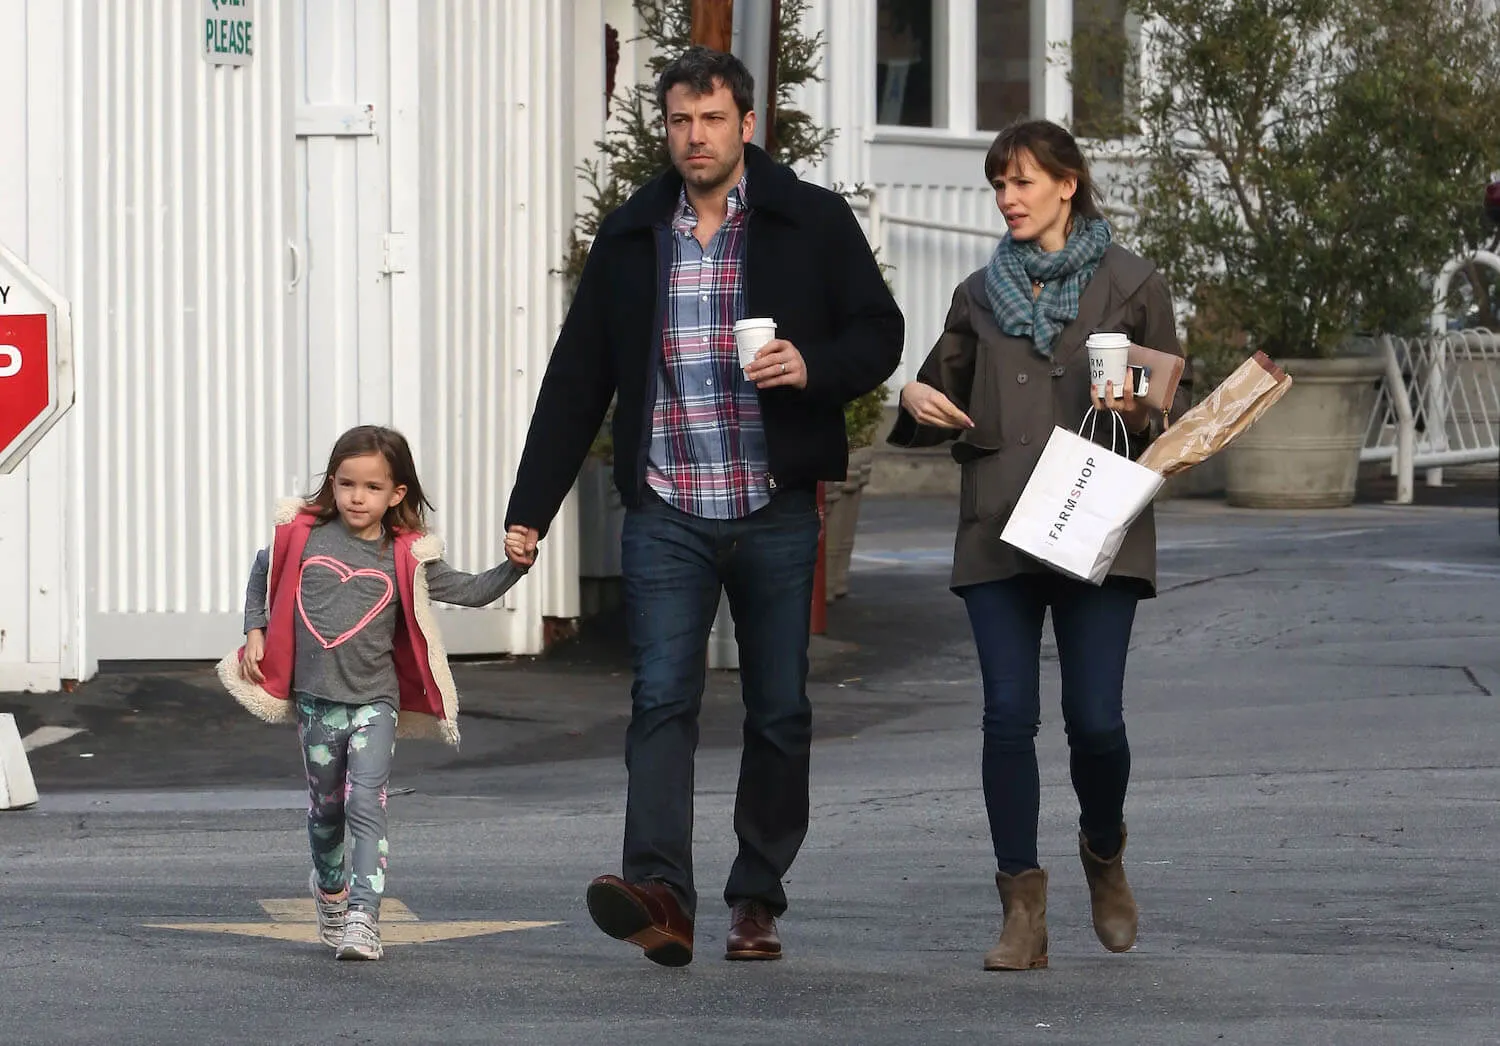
x,y
1054,150
411,514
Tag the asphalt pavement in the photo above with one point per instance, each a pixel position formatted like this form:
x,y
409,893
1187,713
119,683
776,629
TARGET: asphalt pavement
x,y
1314,712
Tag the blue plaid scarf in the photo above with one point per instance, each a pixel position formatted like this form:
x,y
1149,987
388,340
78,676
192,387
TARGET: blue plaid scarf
x,y
1063,274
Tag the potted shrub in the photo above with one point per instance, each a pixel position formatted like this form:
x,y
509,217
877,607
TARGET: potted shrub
x,y
1309,165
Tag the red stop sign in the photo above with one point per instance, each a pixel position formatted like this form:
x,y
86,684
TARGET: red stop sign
x,y
24,381
36,359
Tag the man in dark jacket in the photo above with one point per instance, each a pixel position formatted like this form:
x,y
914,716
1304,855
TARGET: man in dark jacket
x,y
718,469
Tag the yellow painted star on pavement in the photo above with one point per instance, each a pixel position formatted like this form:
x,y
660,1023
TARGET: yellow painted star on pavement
x,y
294,919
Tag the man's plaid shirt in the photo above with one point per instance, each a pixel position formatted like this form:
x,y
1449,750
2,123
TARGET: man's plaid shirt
x,y
708,449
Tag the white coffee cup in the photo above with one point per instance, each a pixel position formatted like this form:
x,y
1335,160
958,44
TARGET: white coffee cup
x,y
750,335
1109,358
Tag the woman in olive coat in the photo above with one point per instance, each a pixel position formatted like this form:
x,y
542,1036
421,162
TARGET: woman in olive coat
x,y
1009,366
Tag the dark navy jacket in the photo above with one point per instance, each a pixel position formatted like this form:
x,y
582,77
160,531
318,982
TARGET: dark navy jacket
x,y
807,266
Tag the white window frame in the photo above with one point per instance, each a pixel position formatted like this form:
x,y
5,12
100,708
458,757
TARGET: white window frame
x,y
955,71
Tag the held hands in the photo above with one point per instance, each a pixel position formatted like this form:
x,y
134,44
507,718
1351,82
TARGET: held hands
x,y
778,363
255,649
1137,415
930,407
520,546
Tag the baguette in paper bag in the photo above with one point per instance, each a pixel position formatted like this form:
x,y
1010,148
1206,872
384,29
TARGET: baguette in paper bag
x,y
1212,425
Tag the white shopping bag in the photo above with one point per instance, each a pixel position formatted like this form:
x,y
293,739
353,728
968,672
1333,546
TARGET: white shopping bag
x,y
1079,503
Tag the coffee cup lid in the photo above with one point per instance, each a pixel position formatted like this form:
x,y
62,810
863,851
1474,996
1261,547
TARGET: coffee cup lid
x,y
1108,340
754,322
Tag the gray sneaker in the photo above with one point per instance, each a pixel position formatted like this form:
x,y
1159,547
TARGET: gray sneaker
x,y
361,938
330,913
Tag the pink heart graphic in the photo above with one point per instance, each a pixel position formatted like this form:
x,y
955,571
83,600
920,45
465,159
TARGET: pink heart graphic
x,y
345,574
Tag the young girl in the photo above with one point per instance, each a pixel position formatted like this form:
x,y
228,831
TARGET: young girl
x,y
340,635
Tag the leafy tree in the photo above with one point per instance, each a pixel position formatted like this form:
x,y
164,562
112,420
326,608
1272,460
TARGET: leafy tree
x,y
1311,164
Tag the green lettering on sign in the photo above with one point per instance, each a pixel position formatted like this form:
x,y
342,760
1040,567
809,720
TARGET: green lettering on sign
x,y
229,36
228,31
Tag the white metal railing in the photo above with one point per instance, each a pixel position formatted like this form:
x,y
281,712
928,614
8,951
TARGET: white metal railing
x,y
1439,404
868,201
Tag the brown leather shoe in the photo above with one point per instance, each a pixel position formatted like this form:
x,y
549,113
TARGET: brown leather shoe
x,y
752,932
648,914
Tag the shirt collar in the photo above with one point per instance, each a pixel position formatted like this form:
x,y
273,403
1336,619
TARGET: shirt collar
x,y
685,218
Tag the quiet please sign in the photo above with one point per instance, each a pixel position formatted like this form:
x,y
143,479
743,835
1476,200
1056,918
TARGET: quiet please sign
x,y
228,32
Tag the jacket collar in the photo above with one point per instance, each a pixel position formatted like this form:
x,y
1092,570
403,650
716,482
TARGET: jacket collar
x,y
1119,276
768,187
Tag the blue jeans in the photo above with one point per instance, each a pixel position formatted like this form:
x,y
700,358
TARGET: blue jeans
x,y
674,567
1092,626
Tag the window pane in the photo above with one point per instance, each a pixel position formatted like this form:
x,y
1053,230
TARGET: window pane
x,y
904,57
1004,62
1103,65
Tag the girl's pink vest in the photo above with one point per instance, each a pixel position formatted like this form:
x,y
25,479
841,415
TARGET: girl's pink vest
x,y
418,654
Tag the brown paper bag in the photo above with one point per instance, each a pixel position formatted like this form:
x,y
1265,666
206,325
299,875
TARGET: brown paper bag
x,y
1212,425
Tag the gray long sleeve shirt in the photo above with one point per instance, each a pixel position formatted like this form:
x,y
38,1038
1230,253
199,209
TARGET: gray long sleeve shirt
x,y
348,611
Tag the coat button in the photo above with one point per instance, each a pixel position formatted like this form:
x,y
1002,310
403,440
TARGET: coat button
x,y
1022,378
1058,372
1025,439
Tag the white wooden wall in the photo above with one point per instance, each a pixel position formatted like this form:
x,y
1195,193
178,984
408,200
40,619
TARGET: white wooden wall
x,y
41,582
154,198
431,237
246,284
494,148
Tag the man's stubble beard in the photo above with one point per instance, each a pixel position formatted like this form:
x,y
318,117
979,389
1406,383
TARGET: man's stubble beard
x,y
719,178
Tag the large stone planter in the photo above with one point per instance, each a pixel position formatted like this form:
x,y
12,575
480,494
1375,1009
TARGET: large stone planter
x,y
841,505
1204,480
1304,452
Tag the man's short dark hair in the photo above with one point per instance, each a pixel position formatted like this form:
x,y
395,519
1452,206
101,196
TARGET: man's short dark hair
x,y
702,69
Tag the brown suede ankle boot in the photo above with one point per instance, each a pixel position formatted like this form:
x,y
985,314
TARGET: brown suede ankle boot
x,y
1023,938
1114,904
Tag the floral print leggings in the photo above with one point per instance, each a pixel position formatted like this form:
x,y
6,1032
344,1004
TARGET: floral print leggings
x,y
347,751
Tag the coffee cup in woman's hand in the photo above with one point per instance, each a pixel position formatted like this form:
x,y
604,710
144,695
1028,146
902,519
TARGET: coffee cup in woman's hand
x,y
930,407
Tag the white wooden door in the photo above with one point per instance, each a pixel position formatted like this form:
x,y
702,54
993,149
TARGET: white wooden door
x,y
376,339
342,172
